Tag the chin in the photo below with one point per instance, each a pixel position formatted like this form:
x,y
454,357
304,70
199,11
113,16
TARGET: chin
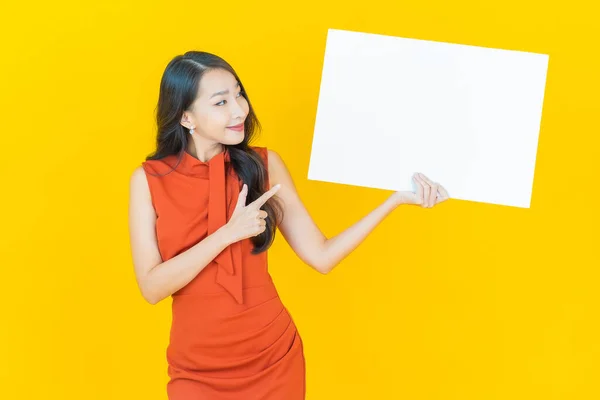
x,y
238,139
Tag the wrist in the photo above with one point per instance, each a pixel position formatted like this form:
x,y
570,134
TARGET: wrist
x,y
397,199
224,235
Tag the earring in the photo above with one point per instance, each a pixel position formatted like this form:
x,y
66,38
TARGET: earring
x,y
191,131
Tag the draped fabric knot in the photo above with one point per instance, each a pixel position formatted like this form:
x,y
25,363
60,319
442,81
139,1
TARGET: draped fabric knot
x,y
229,268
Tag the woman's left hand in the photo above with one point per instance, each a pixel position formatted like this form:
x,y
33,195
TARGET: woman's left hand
x,y
427,195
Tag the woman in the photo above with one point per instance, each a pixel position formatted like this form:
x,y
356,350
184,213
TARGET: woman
x,y
202,217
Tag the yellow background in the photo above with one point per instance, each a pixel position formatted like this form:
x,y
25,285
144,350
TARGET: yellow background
x,y
463,301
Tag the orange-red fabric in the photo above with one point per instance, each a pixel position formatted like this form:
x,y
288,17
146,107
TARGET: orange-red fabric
x,y
231,336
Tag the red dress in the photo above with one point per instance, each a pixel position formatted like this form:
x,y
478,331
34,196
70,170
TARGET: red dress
x,y
231,336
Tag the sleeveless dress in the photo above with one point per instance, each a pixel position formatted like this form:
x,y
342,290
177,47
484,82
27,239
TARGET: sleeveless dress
x,y
231,336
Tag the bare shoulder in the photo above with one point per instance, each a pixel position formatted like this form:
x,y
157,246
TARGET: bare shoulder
x,y
277,168
138,182
140,197
138,174
274,157
279,173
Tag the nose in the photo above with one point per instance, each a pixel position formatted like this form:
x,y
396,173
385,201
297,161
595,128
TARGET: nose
x,y
237,112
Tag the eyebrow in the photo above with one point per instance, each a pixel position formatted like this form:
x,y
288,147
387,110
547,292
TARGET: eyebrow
x,y
223,92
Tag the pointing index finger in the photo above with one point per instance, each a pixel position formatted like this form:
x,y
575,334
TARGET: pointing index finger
x,y
266,196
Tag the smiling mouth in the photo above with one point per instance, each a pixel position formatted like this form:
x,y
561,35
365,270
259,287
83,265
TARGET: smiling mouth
x,y
237,127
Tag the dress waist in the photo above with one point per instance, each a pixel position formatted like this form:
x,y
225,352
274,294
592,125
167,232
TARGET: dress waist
x,y
210,327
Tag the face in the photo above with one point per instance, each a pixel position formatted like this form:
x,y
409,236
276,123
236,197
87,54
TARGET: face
x,y
218,106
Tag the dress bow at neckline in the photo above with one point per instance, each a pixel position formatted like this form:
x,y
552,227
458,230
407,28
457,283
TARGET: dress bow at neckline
x,y
229,268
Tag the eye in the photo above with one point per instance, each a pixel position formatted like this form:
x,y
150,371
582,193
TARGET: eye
x,y
219,103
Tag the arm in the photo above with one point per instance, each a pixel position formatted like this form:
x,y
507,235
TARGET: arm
x,y
156,279
303,235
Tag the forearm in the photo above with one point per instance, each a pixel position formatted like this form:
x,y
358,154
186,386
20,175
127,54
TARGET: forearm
x,y
338,247
173,274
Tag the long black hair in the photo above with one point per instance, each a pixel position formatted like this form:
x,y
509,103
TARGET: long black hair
x,y
178,89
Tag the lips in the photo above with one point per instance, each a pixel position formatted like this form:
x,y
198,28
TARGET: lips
x,y
237,127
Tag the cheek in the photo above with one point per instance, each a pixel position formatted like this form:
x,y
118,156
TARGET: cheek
x,y
215,120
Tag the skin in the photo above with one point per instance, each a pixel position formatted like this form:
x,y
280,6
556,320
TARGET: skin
x,y
210,116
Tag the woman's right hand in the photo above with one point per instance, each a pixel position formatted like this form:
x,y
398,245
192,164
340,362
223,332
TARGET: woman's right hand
x,y
248,221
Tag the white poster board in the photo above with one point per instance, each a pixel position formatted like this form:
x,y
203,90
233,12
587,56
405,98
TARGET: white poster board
x,y
467,117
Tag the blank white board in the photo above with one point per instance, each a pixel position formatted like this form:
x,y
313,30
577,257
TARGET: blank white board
x,y
467,117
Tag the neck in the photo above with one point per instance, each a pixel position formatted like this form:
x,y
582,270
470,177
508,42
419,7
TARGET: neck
x,y
204,152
